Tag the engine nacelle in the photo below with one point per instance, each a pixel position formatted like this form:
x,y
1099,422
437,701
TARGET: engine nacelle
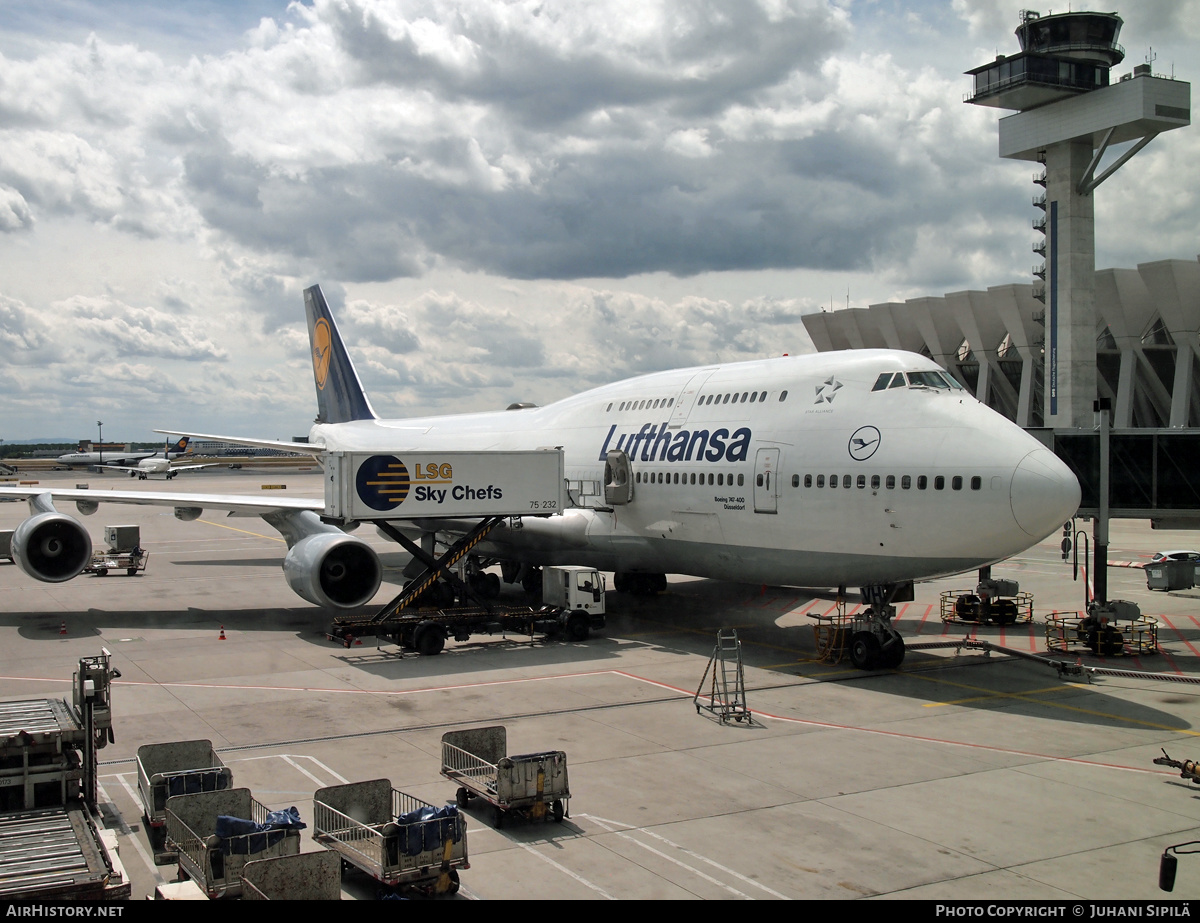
x,y
51,547
187,513
333,570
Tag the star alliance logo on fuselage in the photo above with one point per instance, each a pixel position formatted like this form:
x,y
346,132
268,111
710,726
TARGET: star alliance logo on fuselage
x,y
827,390
320,351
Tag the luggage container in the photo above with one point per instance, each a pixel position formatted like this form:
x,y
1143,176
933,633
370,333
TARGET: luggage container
x,y
397,839
180,767
530,784
310,876
217,833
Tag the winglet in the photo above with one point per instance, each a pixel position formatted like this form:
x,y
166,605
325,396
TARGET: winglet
x,y
340,395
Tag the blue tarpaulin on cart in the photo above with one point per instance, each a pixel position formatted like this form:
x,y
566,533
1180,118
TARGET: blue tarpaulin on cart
x,y
241,837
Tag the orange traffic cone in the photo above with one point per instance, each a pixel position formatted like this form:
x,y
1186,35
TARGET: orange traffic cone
x,y
222,637
62,629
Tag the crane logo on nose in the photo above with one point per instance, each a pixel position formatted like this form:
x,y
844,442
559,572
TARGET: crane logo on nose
x,y
863,443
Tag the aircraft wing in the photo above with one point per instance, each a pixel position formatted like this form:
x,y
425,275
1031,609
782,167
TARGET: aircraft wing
x,y
300,448
234,504
175,468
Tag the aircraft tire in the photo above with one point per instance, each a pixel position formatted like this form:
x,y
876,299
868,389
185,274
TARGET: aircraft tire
x,y
1003,612
966,608
429,639
892,656
864,650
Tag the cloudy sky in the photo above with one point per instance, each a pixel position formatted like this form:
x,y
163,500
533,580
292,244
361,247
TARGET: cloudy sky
x,y
502,200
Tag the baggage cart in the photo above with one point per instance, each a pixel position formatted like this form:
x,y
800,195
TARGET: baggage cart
x,y
217,833
530,784
310,876
180,767
131,562
397,839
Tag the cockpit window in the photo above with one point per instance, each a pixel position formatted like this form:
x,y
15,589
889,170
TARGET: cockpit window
x,y
927,380
922,379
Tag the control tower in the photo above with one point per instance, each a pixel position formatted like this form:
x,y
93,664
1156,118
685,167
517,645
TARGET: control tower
x,y
1068,115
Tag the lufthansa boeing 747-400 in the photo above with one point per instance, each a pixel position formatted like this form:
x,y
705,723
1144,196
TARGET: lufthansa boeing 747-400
x,y
869,468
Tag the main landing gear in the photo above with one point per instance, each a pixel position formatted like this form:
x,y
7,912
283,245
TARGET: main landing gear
x,y
874,643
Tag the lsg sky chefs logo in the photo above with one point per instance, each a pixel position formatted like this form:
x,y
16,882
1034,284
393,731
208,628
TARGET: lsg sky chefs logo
x,y
383,481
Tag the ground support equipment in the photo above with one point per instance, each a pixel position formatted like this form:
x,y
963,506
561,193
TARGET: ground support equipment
x,y
398,840
310,876
180,767
104,561
831,633
426,630
1073,632
533,785
966,607
726,697
207,854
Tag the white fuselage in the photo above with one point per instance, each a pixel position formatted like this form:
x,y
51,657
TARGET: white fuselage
x,y
735,468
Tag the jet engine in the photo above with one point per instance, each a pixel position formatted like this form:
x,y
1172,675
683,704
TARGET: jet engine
x,y
333,570
51,547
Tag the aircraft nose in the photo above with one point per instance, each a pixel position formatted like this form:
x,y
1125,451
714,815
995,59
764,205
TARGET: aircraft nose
x,y
1044,493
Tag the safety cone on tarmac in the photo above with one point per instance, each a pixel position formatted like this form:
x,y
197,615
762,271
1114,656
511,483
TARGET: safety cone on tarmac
x,y
222,636
62,628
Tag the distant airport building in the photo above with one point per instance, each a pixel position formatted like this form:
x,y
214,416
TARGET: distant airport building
x,y
1147,350
233,450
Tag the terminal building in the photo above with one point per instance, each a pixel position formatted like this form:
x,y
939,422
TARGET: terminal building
x,y
1146,340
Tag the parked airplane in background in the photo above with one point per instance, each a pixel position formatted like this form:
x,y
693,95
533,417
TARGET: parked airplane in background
x,y
869,468
163,464
117,458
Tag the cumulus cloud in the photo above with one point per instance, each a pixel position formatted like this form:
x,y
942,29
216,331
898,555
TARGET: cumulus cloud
x,y
510,200
131,331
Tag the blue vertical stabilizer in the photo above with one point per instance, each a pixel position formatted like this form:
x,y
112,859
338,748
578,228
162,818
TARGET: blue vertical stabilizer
x,y
340,395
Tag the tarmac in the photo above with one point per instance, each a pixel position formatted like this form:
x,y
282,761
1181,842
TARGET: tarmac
x,y
960,775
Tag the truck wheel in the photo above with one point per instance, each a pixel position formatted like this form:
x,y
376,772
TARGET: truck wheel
x,y
462,797
429,640
101,571
578,626
557,808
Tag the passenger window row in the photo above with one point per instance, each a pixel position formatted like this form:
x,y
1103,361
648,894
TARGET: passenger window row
x,y
905,481
688,477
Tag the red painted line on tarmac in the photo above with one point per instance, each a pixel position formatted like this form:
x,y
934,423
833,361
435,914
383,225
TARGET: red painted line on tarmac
x,y
808,722
1177,631
900,614
829,725
811,603
924,619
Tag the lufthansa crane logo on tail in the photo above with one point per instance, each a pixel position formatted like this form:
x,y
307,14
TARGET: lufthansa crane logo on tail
x,y
322,341
863,443
382,482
